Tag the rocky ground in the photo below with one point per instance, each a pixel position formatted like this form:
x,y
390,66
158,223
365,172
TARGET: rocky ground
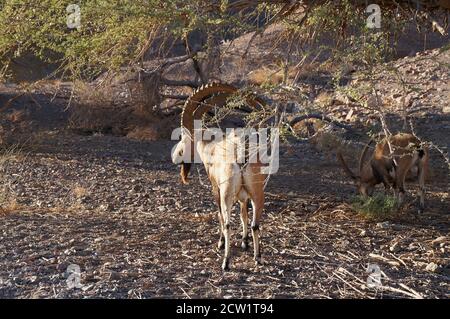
x,y
116,208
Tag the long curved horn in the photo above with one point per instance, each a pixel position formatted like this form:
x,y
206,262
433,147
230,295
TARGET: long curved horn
x,y
345,166
200,102
220,99
204,92
187,116
363,156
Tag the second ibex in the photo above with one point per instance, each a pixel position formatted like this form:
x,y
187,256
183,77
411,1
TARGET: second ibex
x,y
391,161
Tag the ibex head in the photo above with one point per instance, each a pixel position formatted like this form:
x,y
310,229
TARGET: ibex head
x,y
181,155
199,103
366,179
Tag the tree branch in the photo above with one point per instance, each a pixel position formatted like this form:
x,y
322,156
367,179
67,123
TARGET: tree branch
x,y
174,96
320,117
191,84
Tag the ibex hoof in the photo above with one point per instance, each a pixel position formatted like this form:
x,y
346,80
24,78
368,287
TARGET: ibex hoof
x,y
221,244
244,245
226,265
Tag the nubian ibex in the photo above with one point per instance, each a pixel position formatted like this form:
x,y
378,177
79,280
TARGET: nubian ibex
x,y
231,180
390,167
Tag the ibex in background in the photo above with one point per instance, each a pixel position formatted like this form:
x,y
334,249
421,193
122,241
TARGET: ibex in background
x,y
391,169
230,180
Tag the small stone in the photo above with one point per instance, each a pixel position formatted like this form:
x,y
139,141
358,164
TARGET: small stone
x,y
33,278
432,267
86,287
311,208
106,207
383,225
394,247
159,182
373,101
114,275
439,240
349,115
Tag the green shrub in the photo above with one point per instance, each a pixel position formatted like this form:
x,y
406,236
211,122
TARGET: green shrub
x,y
377,207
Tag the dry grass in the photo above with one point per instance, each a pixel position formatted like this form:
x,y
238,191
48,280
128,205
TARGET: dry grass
x,y
74,200
324,99
315,131
275,75
265,75
9,207
8,202
15,116
79,191
10,152
144,134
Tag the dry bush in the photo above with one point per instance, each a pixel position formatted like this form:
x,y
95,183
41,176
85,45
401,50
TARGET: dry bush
x,y
143,124
273,75
265,75
308,128
324,99
90,119
93,110
327,142
108,111
320,135
13,125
